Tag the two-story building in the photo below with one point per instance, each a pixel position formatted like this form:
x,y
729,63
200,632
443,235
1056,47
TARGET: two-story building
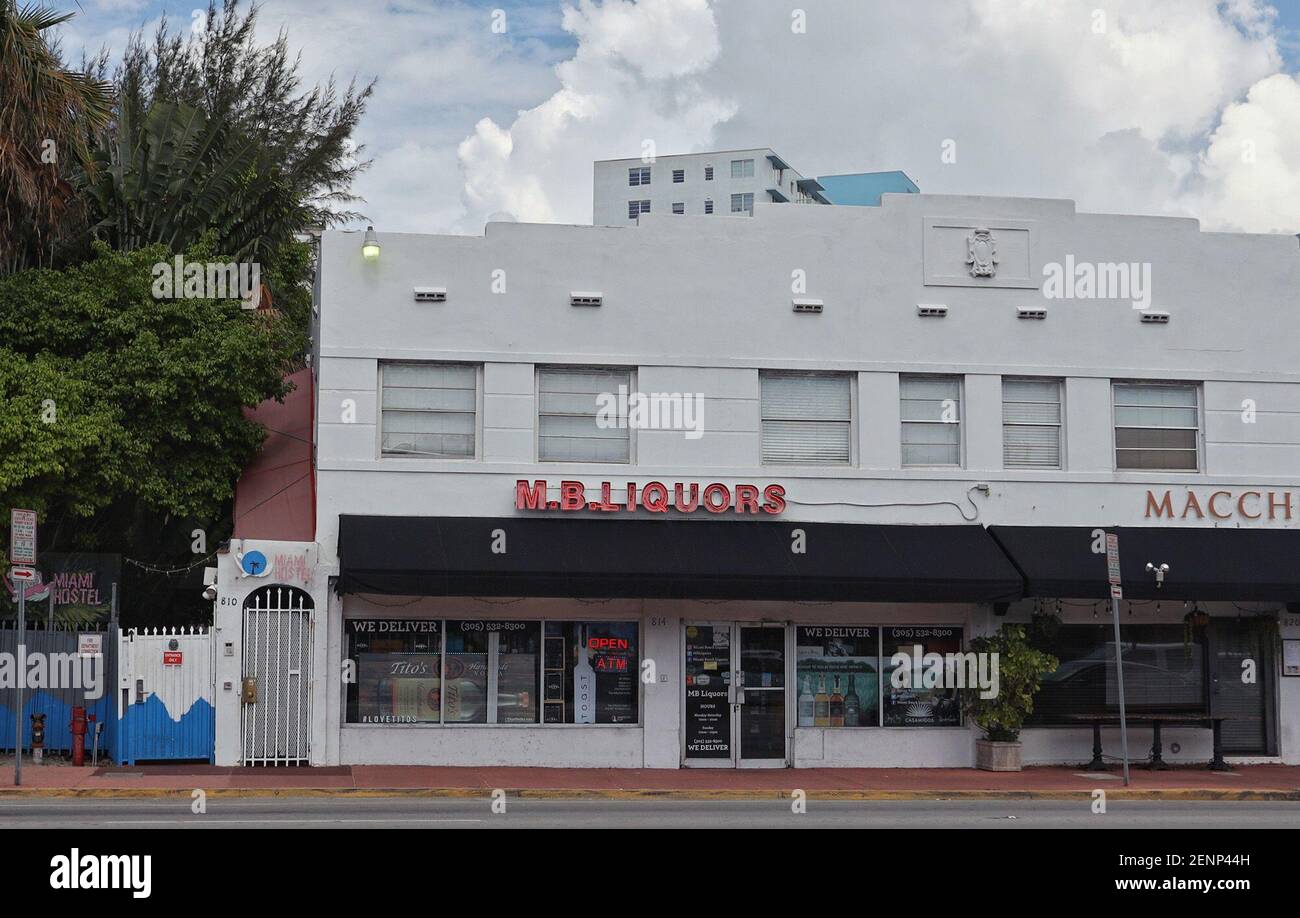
x,y
680,493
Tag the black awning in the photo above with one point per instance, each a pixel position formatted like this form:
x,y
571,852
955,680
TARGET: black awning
x,y
1260,565
675,558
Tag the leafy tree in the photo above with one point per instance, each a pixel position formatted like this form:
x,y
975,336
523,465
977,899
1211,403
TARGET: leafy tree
x,y
48,117
213,133
121,415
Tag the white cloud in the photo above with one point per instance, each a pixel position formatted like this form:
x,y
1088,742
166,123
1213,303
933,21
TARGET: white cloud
x,y
634,77
1042,99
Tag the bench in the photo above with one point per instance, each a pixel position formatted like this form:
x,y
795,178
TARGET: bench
x,y
1214,721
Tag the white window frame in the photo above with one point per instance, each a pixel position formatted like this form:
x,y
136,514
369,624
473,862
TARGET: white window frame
x,y
708,172
642,174
1059,425
851,459
745,170
1197,390
679,208
961,421
708,205
679,176
538,370
743,196
478,414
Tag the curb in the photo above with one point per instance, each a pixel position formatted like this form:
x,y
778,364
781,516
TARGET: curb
x,y
1180,794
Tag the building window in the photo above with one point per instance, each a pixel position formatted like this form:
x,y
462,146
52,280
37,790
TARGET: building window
x,y
806,417
742,204
708,205
679,208
1164,670
638,175
1031,423
837,675
742,168
930,410
580,417
636,208
591,673
428,409
908,704
1157,426
708,173
492,672
679,176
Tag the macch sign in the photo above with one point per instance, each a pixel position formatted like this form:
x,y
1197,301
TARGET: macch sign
x,y
1220,505
653,497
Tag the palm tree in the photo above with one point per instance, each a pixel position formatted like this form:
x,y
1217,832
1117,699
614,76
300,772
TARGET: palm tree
x,y
49,116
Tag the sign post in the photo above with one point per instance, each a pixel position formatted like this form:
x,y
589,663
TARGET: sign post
x,y
1116,594
22,551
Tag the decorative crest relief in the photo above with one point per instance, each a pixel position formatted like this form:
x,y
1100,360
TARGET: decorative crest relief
x,y
982,252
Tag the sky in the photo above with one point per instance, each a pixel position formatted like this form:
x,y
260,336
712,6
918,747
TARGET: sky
x,y
1177,107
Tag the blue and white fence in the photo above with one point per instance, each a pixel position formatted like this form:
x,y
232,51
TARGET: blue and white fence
x,y
57,678
165,696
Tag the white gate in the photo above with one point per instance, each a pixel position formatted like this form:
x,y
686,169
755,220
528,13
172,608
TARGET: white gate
x,y
277,676
165,677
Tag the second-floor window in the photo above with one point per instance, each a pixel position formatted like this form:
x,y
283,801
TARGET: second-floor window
x,y
1031,423
1157,426
636,208
580,417
742,204
428,409
742,168
638,175
679,176
930,409
807,418
708,173
679,208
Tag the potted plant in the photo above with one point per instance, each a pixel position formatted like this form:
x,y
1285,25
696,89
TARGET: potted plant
x,y
1020,670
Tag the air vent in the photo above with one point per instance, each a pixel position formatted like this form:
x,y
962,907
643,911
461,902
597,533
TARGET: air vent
x,y
931,310
430,294
1155,318
580,298
1031,312
808,305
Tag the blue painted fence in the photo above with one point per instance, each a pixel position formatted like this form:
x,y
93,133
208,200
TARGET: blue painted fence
x,y
57,679
166,695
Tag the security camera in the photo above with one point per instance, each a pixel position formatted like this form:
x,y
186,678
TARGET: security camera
x,y
210,593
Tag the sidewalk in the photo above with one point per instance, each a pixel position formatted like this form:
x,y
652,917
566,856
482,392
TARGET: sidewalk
x,y
1247,782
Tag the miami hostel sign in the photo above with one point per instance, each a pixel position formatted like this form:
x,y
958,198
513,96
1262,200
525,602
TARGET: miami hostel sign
x,y
1224,504
653,497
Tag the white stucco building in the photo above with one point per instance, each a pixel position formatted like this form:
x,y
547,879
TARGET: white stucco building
x,y
879,429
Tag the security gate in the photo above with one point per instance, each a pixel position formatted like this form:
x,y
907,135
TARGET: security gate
x,y
166,707
276,691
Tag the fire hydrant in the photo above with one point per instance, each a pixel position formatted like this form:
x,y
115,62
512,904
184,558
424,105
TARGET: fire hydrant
x,y
38,737
78,736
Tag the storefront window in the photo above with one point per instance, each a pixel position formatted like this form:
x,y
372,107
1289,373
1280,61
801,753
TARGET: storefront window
x,y
592,672
480,671
918,703
837,676
396,665
492,672
1164,670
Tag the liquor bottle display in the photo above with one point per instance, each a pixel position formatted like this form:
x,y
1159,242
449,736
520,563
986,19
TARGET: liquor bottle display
x,y
807,704
821,705
584,685
836,705
852,704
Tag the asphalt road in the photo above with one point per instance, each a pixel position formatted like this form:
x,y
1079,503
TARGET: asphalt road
x,y
447,813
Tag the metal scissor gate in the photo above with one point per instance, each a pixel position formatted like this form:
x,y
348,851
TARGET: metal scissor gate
x,y
276,691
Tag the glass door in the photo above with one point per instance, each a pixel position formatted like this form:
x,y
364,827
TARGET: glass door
x,y
735,707
760,696
709,696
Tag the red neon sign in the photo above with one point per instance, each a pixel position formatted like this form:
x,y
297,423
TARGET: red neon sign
x,y
653,497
